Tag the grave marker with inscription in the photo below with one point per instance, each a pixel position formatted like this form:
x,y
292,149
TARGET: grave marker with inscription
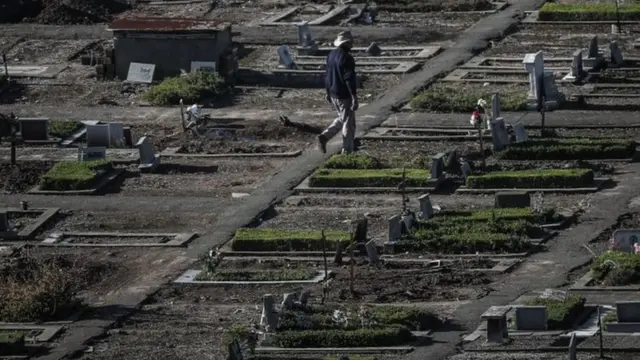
x,y
92,153
148,159
625,239
141,73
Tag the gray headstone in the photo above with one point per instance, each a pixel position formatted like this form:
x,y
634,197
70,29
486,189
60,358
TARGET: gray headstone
x,y
453,160
235,351
374,49
465,168
304,297
4,222
407,221
497,131
285,57
288,300
128,140
573,346
148,158
577,69
338,257
361,226
593,47
437,165
550,89
269,318
372,252
625,239
116,135
531,318
616,54
512,199
623,327
426,209
628,311
140,73
395,228
98,135
34,128
495,106
304,34
92,153
521,132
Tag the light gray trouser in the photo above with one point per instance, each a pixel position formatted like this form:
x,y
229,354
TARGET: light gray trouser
x,y
346,121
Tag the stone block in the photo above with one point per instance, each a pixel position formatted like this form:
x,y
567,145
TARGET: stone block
x,y
531,318
628,311
34,129
618,327
269,318
512,199
372,252
4,222
395,228
426,209
437,165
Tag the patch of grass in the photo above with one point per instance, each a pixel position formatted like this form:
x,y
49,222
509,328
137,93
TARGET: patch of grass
x,y
352,161
588,12
394,336
62,128
616,268
446,98
320,318
274,239
611,316
561,314
554,178
73,175
368,178
569,149
193,88
262,275
11,343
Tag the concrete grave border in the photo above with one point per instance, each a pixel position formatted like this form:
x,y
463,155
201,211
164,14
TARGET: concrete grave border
x,y
48,331
29,231
69,154
57,239
426,52
304,188
349,350
49,72
277,20
189,277
383,257
403,67
103,181
599,184
459,75
173,152
531,18
582,285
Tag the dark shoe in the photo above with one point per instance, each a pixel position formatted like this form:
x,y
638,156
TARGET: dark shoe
x,y
322,143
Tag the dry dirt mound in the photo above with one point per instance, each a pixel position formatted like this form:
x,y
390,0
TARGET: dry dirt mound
x,y
61,12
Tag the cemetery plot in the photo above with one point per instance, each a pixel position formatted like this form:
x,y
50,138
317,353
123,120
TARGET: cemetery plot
x,y
20,341
24,223
324,15
21,177
114,239
45,52
77,178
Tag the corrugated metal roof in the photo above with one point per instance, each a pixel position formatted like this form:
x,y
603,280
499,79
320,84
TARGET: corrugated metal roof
x,y
163,24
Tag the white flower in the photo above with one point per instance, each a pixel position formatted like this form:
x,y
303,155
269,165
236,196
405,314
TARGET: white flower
x,y
482,103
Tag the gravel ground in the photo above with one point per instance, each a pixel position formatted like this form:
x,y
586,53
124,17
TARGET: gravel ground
x,y
22,177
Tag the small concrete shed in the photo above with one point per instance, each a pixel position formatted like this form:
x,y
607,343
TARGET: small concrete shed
x,y
171,44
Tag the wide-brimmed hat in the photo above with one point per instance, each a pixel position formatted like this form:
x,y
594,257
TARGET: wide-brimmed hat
x,y
343,37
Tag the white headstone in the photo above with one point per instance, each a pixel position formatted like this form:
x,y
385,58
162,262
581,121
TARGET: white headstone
x,y
521,132
616,54
495,106
395,228
203,65
98,135
426,209
92,153
534,65
148,159
141,73
285,57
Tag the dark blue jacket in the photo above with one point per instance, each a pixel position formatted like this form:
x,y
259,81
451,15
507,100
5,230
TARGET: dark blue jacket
x,y
341,74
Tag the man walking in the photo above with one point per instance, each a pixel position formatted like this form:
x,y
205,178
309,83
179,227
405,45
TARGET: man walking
x,y
340,82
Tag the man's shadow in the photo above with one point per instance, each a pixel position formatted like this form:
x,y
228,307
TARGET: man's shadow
x,y
308,128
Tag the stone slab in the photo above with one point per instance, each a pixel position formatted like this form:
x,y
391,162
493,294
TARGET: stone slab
x,y
116,156
30,230
34,71
586,284
102,183
304,187
425,52
599,183
423,138
46,332
58,239
354,350
189,277
531,18
173,152
401,68
618,327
